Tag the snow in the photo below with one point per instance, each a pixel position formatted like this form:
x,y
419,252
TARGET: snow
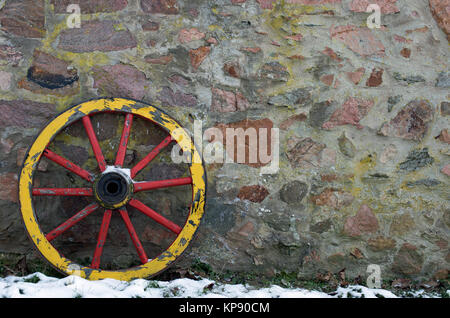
x,y
123,171
40,286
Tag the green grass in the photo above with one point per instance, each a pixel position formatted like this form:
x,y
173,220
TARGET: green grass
x,y
16,264
33,279
152,284
283,279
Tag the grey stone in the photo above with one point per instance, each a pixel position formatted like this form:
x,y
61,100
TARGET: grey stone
x,y
417,159
220,217
424,182
293,192
320,113
321,227
277,221
445,108
410,79
274,71
392,101
346,146
443,80
295,98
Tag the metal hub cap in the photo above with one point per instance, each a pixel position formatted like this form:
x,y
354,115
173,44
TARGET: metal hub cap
x,y
113,189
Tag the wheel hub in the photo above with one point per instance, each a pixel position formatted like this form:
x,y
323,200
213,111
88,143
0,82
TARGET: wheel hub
x,y
113,189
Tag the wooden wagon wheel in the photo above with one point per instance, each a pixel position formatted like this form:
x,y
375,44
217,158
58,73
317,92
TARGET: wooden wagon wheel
x,y
111,189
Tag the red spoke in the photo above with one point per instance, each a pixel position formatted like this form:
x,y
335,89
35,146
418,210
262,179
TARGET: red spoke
x,y
151,185
94,143
134,237
124,140
82,192
144,162
72,221
155,216
101,239
69,165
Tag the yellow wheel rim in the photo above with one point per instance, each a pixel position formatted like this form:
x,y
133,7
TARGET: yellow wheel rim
x,y
151,113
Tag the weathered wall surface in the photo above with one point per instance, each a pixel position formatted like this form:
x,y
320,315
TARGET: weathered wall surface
x,y
363,118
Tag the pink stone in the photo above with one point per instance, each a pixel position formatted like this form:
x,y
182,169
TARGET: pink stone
x,y
9,55
440,9
25,18
333,198
356,76
223,101
198,55
446,170
226,101
179,80
328,51
120,80
8,187
90,6
241,102
327,79
266,4
251,49
189,35
359,40
362,223
386,6
275,43
160,60
25,113
376,78
296,37
150,26
96,35
411,122
401,39
253,193
313,2
307,154
351,113
175,97
444,136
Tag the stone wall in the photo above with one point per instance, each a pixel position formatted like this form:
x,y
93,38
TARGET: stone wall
x,y
363,119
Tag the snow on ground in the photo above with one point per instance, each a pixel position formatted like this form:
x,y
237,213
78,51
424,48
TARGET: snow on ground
x,y
40,286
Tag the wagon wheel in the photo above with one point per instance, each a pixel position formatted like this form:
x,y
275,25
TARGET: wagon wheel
x,y
112,190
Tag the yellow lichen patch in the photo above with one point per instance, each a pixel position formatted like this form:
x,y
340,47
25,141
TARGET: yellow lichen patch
x,y
214,27
359,170
51,37
84,62
365,165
